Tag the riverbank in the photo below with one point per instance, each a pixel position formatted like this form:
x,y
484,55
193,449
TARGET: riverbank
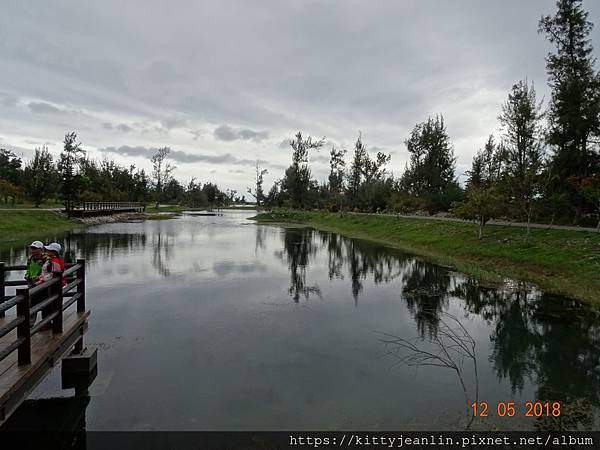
x,y
16,226
23,225
559,261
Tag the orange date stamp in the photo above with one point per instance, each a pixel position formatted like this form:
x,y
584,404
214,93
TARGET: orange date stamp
x,y
510,409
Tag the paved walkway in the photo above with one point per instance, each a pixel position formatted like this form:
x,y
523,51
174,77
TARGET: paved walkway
x,y
491,222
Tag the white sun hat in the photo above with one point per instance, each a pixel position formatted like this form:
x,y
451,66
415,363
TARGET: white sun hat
x,y
37,244
53,247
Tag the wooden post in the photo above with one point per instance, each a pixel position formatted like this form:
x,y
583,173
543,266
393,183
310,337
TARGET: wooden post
x,y
24,328
2,293
81,286
57,322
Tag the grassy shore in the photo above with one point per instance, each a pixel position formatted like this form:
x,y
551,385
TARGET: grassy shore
x,y
559,261
17,226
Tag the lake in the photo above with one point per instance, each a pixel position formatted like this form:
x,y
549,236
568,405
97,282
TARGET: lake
x,y
216,323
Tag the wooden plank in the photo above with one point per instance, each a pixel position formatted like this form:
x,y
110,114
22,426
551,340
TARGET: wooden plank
x,y
43,346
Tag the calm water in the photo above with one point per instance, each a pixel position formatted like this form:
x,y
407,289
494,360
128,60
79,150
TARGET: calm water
x,y
217,323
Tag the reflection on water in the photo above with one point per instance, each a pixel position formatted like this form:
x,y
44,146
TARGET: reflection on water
x,y
217,323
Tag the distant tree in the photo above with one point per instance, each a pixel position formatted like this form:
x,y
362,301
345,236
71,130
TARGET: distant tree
x,y
356,171
521,119
589,188
480,206
274,197
173,191
70,160
10,167
40,178
141,187
9,190
195,196
487,165
430,173
161,172
296,182
258,192
574,113
337,172
366,178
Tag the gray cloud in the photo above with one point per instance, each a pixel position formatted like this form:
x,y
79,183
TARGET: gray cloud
x,y
7,99
187,158
122,127
226,133
379,67
44,108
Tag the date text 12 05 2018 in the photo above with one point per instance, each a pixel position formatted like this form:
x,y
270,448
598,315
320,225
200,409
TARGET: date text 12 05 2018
x,y
510,409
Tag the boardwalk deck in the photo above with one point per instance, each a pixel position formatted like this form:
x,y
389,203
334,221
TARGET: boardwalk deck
x,y
29,351
47,348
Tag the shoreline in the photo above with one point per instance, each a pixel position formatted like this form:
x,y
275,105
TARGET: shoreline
x,y
20,226
557,261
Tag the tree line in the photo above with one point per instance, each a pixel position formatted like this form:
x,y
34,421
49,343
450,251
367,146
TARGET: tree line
x,y
544,167
74,177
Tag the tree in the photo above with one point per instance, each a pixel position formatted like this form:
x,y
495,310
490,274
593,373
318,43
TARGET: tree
x,y
337,171
521,119
296,182
574,113
356,170
430,173
487,165
481,205
70,159
258,193
10,167
590,189
40,178
8,190
173,191
162,170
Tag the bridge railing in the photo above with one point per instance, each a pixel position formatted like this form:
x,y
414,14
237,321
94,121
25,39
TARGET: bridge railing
x,y
107,206
50,297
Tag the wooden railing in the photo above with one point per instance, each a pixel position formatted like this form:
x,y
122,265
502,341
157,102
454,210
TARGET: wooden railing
x,y
49,297
107,206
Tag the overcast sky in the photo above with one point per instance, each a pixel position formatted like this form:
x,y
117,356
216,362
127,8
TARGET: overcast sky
x,y
224,83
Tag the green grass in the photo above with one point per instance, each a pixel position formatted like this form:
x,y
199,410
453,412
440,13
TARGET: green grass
x,y
16,226
28,205
559,261
171,208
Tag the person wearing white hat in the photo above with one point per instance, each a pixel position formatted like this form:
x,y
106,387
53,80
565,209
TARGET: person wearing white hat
x,y
54,263
35,262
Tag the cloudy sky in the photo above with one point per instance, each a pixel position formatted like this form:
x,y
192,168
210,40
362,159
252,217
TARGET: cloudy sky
x,y
225,83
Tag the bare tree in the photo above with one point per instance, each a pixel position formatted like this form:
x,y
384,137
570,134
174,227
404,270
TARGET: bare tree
x,y
258,193
162,170
452,345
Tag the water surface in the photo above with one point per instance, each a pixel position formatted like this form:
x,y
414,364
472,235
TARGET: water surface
x,y
216,323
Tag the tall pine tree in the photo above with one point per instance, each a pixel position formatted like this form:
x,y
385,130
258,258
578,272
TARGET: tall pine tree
x,y
575,104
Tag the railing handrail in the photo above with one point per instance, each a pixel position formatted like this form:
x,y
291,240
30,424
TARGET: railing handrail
x,y
94,206
52,302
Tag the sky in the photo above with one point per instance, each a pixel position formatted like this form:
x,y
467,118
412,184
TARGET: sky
x,y
226,83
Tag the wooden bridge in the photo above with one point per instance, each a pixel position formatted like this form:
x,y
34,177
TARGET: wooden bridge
x,y
87,209
29,351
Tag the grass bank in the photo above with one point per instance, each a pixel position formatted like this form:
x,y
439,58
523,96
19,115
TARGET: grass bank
x,y
16,226
559,261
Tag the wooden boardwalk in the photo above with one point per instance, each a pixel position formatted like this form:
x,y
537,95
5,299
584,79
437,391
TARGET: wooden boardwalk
x,y
87,209
29,351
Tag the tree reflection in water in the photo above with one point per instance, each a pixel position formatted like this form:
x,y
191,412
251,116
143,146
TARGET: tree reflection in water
x,y
538,339
550,341
298,248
